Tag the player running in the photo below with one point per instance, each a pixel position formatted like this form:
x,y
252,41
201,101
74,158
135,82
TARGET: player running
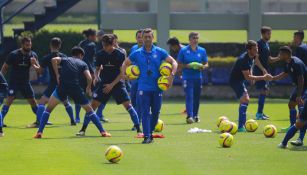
x,y
55,45
109,81
3,94
19,62
69,86
149,58
240,73
192,78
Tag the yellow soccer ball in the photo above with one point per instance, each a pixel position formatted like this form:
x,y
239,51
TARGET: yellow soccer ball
x,y
133,72
229,127
159,126
114,154
251,125
163,83
165,69
226,140
220,119
270,131
224,122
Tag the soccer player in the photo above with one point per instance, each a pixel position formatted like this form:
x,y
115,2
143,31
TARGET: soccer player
x,y
3,94
174,47
261,68
108,70
301,53
192,79
296,69
55,45
69,86
89,47
19,62
241,71
149,58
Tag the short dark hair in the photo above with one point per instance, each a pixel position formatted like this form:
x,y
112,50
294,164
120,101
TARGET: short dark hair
x,y
300,33
250,44
115,36
89,32
56,42
173,41
25,39
265,29
138,31
108,39
193,34
147,30
285,49
76,50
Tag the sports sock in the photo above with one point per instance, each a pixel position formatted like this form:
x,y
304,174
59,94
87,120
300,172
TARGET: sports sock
x,y
69,111
293,114
291,132
44,120
242,114
4,111
86,121
77,110
40,111
95,120
99,111
261,101
303,132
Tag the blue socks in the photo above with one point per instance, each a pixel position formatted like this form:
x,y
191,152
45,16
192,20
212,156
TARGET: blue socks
x,y
293,114
291,132
77,110
44,120
86,121
1,122
133,115
261,101
69,111
303,132
95,120
40,111
4,111
100,110
242,114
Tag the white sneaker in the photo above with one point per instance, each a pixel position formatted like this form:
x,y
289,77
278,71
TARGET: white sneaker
x,y
190,120
297,142
80,133
1,134
282,146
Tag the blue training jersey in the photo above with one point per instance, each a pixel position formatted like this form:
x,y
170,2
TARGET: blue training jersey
x,y
187,55
46,63
243,63
295,69
148,63
301,53
89,48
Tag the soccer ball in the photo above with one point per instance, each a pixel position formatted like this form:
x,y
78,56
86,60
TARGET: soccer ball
x,y
133,72
165,69
226,140
163,83
114,154
270,131
220,119
224,122
251,125
229,127
159,126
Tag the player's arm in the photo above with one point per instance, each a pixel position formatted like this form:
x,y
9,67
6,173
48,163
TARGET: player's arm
x,y
35,64
55,65
5,68
126,64
280,76
174,63
274,59
88,77
97,74
259,65
248,76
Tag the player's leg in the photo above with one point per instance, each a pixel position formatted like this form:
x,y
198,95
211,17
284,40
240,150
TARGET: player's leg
x,y
70,112
133,115
262,86
292,109
145,97
196,97
99,113
242,94
189,96
77,111
133,96
87,119
9,100
41,107
155,105
1,121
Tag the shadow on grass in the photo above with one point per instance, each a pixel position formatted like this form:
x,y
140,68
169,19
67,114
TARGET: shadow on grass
x,y
298,148
127,143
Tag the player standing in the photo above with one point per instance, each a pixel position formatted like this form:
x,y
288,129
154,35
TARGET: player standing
x,y
20,61
3,94
241,71
192,79
149,58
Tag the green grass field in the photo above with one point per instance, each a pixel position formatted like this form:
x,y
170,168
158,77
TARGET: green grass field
x,y
235,36
60,152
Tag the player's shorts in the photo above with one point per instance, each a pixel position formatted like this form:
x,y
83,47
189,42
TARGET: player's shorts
x,y
3,93
76,93
128,85
239,88
119,93
24,88
49,90
294,94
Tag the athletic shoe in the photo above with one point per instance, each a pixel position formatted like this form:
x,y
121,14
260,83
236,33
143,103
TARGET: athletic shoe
x,y
104,120
260,116
133,128
160,136
49,123
33,125
285,129
297,142
282,146
77,120
197,119
4,125
266,116
148,140
190,120
81,133
1,134
139,135
105,134
73,123
38,135
242,129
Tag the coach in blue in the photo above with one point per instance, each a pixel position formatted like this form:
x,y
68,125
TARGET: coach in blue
x,y
149,58
192,79
19,62
55,45
240,73
3,94
69,86
297,70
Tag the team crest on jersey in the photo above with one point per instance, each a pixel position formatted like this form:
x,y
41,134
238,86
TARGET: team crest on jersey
x,y
141,93
188,52
11,91
291,69
155,56
94,95
199,55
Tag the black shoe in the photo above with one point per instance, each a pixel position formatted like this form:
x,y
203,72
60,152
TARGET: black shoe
x,y
104,120
73,123
148,140
49,123
133,128
4,125
197,120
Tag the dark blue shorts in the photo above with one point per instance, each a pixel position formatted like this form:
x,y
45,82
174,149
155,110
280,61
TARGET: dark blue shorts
x,y
119,93
128,85
239,88
49,90
294,94
76,93
24,88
